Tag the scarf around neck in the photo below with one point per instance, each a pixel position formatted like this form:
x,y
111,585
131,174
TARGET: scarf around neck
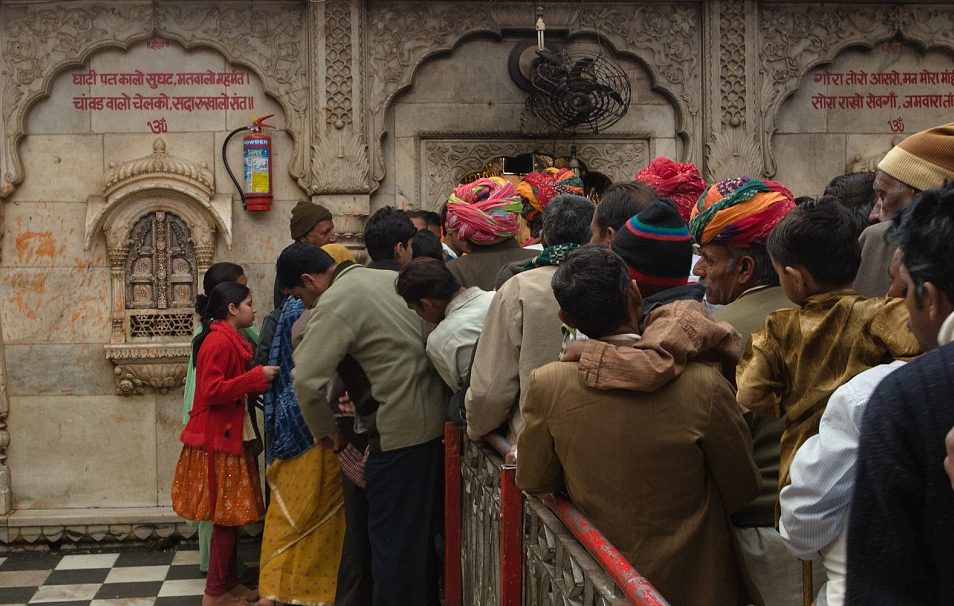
x,y
551,255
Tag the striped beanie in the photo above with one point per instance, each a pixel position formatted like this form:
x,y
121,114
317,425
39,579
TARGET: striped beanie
x,y
925,160
681,182
656,247
484,211
739,212
537,189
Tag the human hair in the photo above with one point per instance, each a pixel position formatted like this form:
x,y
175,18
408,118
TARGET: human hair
x,y
859,220
430,217
763,273
595,184
592,288
926,237
425,278
425,243
566,220
301,258
854,191
621,201
215,306
821,239
221,272
385,229
801,200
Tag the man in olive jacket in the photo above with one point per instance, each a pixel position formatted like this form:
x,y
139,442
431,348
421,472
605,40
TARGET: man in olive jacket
x,y
364,330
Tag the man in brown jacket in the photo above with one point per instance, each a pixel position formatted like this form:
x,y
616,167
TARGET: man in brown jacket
x,y
659,472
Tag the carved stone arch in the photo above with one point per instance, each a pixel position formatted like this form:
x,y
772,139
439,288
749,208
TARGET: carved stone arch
x,y
41,42
664,38
797,38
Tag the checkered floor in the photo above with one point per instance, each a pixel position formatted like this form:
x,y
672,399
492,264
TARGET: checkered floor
x,y
118,577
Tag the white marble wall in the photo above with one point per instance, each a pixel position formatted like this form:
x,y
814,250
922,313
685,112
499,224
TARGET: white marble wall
x,y
74,443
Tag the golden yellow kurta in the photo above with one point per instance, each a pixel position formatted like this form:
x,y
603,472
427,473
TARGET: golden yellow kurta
x,y
304,529
799,357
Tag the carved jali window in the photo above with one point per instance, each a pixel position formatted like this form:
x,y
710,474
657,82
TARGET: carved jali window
x,y
160,272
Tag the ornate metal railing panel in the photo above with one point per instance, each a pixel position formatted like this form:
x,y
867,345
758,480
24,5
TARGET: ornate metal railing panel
x,y
480,524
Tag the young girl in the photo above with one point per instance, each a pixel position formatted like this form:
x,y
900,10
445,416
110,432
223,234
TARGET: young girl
x,y
216,477
218,273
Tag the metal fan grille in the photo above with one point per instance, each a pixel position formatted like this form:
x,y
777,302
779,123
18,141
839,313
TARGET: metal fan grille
x,y
578,91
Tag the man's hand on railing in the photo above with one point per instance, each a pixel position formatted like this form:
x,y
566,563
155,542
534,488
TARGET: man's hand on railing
x,y
511,458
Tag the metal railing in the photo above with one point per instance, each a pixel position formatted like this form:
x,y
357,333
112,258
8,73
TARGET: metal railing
x,y
519,549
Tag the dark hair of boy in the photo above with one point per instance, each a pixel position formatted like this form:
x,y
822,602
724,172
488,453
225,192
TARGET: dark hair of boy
x,y
426,278
301,258
592,288
822,240
425,243
385,229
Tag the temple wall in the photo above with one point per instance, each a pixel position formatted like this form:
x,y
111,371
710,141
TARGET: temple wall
x,y
376,102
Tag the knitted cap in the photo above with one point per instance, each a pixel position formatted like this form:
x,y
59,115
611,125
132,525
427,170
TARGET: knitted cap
x,y
655,246
305,216
925,160
681,182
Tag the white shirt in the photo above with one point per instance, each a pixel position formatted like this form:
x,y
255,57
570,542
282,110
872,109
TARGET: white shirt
x,y
451,345
815,505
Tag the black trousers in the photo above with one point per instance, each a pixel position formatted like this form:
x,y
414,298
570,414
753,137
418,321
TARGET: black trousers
x,y
354,573
405,495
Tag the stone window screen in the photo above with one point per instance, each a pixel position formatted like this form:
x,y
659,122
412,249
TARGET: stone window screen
x,y
160,279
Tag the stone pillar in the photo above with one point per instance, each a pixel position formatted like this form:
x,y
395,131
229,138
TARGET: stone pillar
x,y
340,175
732,120
117,277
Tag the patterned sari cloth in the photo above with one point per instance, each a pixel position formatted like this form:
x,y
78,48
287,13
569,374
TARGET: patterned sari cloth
x,y
304,524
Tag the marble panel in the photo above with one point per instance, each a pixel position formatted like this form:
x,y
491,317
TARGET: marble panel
x,y
62,168
56,113
667,147
413,118
88,467
79,369
258,237
168,427
48,234
261,280
806,163
58,305
170,59
863,152
284,186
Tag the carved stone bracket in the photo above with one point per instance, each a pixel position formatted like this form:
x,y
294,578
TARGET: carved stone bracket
x,y
445,157
156,366
39,42
664,37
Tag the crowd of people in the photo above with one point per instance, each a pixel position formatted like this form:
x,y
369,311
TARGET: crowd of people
x,y
747,393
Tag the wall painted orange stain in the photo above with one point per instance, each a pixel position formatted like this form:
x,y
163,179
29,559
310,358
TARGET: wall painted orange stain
x,y
35,244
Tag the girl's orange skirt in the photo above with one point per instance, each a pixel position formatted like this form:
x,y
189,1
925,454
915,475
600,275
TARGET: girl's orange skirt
x,y
238,491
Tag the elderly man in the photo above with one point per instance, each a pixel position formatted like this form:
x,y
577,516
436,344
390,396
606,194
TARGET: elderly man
x,y
657,472
923,161
730,224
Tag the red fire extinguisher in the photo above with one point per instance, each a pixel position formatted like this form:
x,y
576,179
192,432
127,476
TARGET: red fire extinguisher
x,y
256,163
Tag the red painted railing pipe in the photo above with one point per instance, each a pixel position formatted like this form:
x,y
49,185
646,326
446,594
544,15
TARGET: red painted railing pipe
x,y
637,589
511,538
453,575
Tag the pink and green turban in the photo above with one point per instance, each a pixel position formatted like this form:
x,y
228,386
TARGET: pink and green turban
x,y
484,212
739,212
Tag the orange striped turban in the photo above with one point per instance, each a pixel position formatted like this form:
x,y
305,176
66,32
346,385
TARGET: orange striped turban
x,y
739,212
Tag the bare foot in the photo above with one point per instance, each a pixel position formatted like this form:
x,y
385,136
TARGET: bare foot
x,y
226,599
245,593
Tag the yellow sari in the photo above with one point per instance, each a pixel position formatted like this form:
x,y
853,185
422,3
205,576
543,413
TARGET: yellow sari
x,y
304,529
